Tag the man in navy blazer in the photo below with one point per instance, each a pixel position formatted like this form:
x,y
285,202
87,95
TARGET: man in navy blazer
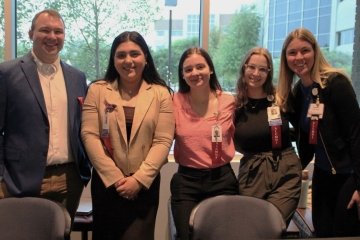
x,y
41,153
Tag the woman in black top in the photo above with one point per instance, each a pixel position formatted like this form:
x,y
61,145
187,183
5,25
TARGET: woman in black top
x,y
270,168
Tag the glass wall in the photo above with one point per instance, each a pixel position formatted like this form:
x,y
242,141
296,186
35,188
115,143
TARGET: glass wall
x,y
236,26
91,27
2,32
170,26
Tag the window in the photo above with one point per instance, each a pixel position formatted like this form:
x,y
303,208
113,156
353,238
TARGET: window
x,y
91,28
193,25
324,26
2,31
311,24
310,4
323,40
345,37
212,24
237,28
234,27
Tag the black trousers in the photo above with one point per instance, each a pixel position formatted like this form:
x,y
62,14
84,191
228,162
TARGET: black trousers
x,y
117,218
190,186
330,196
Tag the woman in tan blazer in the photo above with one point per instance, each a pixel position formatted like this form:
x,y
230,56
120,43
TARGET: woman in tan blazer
x,y
127,129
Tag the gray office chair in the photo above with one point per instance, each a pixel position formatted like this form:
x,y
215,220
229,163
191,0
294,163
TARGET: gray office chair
x,y
236,217
33,219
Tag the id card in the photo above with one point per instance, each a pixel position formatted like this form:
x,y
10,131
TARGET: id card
x,y
216,143
274,116
105,133
105,125
316,109
216,133
273,113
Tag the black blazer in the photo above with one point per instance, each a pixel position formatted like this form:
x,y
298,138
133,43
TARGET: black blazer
x,y
24,125
339,128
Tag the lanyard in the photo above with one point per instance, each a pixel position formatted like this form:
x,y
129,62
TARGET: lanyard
x,y
216,138
315,112
275,123
105,133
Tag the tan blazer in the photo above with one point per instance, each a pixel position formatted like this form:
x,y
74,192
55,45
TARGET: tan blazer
x,y
151,134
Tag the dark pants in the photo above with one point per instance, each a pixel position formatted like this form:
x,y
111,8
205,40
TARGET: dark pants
x,y
117,218
330,197
190,186
280,185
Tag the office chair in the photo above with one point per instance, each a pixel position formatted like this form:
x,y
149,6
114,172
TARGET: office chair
x,y
235,217
32,218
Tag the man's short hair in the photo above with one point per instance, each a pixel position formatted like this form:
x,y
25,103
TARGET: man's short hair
x,y
51,12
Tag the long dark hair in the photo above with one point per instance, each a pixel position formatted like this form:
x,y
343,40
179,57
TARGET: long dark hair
x,y
183,86
150,74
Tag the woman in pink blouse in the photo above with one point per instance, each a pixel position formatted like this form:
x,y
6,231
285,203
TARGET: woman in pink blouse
x,y
203,138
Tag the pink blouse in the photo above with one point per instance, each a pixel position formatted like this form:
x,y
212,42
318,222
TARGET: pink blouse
x,y
193,134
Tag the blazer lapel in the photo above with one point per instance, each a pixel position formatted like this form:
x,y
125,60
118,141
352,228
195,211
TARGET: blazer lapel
x,y
30,70
143,103
113,97
71,92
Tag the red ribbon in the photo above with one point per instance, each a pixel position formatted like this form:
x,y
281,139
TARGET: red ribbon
x,y
313,131
276,136
216,153
107,144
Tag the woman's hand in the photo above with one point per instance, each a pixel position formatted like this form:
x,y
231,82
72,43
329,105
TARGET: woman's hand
x,y
128,187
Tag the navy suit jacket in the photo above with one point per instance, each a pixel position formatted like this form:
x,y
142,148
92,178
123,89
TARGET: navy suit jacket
x,y
24,125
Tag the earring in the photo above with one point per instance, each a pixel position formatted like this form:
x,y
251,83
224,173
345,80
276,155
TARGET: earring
x,y
270,98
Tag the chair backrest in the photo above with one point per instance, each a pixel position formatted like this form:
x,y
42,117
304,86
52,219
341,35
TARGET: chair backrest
x,y
32,218
236,217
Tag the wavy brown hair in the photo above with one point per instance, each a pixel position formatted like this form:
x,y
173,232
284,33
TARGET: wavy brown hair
x,y
241,86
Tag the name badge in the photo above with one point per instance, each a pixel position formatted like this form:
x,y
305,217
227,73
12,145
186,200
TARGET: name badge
x,y
216,133
316,109
105,125
274,118
273,113
216,139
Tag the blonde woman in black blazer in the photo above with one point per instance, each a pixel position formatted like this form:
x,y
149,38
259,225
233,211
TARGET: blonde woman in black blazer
x,y
326,117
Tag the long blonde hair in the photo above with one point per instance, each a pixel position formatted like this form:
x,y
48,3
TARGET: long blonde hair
x,y
319,72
